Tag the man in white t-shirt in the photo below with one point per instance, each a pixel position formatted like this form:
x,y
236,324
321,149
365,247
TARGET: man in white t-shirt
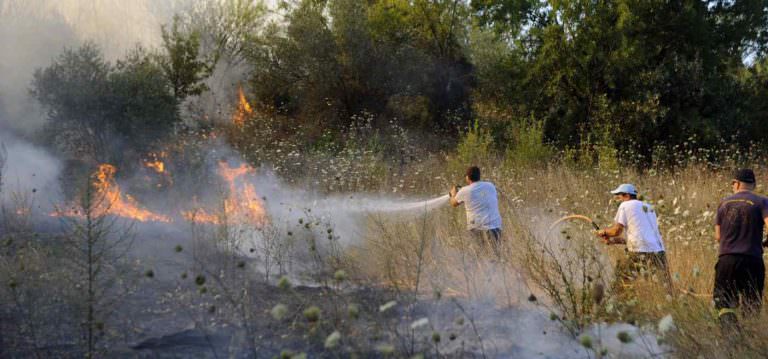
x,y
482,205
645,248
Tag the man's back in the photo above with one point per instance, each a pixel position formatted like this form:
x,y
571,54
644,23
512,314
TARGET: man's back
x,y
482,206
642,228
740,217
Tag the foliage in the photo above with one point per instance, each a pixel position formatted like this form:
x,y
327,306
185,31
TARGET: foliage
x,y
97,110
336,59
656,72
529,148
225,31
475,148
182,65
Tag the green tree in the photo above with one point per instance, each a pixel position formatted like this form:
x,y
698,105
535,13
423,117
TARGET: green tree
x,y
653,72
73,90
102,112
181,62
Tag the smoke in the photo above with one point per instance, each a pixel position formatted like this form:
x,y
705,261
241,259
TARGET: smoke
x,y
33,32
29,173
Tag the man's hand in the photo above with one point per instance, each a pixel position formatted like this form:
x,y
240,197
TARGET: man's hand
x,y
453,191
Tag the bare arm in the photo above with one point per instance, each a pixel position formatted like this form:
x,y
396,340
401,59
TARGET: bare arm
x,y
717,231
611,233
765,240
454,202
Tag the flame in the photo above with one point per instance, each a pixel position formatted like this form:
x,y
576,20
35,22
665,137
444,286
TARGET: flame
x,y
115,203
110,200
157,165
244,109
242,203
199,215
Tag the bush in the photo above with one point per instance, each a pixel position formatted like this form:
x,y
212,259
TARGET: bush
x,y
475,148
529,148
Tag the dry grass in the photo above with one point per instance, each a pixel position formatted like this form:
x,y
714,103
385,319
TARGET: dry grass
x,y
567,271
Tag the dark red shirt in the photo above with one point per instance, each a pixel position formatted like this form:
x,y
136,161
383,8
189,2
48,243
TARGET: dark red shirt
x,y
740,218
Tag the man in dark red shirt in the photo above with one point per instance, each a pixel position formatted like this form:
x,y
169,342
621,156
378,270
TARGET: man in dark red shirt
x,y
740,271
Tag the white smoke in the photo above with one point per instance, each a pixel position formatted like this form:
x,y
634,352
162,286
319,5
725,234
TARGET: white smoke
x,y
34,32
29,172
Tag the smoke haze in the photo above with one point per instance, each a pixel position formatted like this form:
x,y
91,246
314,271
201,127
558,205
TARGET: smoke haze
x,y
33,32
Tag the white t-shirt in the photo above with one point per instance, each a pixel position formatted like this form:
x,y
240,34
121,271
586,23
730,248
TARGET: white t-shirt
x,y
482,206
639,221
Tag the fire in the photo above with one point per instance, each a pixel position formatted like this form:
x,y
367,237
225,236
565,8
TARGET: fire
x,y
244,109
157,165
110,200
200,216
115,203
243,203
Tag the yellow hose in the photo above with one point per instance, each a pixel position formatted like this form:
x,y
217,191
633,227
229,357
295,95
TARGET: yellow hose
x,y
575,217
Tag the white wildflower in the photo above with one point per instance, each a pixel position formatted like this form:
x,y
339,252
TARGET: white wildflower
x,y
419,323
666,324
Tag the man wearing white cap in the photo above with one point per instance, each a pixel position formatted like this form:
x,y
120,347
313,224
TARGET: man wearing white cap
x,y
645,249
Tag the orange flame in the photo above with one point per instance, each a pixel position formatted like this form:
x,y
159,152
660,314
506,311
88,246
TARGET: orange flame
x,y
201,216
115,203
157,165
110,199
244,109
242,204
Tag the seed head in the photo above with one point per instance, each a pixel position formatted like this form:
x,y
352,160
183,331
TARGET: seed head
x,y
624,337
586,341
279,311
340,275
312,314
284,283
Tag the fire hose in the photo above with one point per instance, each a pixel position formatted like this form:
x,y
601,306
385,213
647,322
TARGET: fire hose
x,y
578,217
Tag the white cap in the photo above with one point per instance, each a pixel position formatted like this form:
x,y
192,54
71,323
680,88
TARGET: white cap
x,y
627,188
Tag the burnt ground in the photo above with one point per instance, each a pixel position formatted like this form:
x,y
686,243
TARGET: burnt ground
x,y
180,307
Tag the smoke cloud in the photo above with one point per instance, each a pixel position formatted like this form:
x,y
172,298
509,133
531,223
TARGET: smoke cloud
x,y
30,172
33,32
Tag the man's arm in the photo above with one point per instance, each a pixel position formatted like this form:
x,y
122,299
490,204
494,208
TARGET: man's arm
x,y
765,240
717,231
454,201
609,234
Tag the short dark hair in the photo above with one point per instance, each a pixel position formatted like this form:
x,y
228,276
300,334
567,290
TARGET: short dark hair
x,y
473,173
631,196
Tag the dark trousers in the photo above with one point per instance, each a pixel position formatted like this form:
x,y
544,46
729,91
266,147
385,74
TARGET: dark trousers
x,y
738,277
488,237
